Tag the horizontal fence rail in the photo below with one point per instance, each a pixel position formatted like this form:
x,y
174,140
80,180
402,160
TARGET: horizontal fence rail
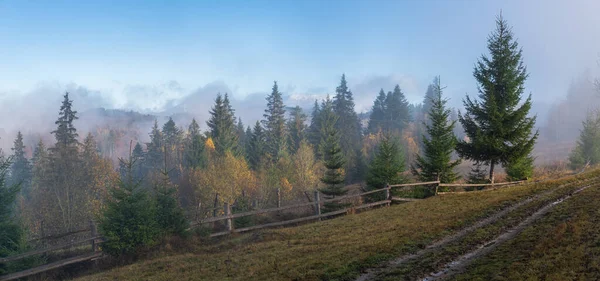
x,y
95,239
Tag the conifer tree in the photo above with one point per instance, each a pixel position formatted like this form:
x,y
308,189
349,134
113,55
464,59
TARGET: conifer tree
x,y
242,138
478,174
275,125
587,149
256,147
498,128
314,129
66,133
154,153
326,117
385,168
138,156
129,220
172,137
221,126
296,128
169,215
334,162
436,162
348,126
397,112
11,233
21,168
378,111
194,147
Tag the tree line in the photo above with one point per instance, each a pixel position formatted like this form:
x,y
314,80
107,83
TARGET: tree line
x,y
69,183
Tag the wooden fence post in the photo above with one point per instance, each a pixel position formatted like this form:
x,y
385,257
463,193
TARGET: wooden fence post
x,y
227,210
387,193
317,203
278,197
94,234
215,205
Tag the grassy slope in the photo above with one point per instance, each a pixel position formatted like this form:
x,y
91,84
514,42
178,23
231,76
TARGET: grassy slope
x,y
332,250
564,245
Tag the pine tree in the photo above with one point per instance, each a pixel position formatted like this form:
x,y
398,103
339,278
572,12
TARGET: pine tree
x,y
256,147
21,168
297,128
221,125
275,126
498,128
349,127
334,162
154,153
587,149
66,133
378,111
435,163
314,130
385,168
169,215
194,147
11,233
397,112
242,138
129,220
171,147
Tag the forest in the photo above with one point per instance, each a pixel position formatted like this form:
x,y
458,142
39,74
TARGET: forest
x,y
140,192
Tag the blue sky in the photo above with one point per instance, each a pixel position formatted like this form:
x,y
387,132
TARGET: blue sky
x,y
148,55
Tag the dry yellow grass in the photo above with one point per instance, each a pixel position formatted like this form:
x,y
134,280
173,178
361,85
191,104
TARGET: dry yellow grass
x,y
331,250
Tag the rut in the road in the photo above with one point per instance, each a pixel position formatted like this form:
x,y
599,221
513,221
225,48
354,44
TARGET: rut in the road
x,y
372,272
459,264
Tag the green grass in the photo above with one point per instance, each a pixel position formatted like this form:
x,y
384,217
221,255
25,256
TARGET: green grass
x,y
336,249
563,245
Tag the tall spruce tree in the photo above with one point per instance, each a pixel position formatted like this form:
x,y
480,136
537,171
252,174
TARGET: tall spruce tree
x,y
11,233
397,113
172,137
326,117
498,128
221,126
377,116
587,149
241,135
314,129
20,172
436,162
334,162
256,147
348,126
154,153
275,125
194,147
297,128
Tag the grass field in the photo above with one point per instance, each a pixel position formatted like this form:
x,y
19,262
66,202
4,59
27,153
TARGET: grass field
x,y
564,245
336,249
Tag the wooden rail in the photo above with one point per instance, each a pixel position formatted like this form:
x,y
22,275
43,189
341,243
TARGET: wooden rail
x,y
50,266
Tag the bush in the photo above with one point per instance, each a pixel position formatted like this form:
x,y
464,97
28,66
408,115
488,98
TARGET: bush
x,y
520,169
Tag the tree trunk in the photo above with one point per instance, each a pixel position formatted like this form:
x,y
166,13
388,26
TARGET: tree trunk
x,y
492,163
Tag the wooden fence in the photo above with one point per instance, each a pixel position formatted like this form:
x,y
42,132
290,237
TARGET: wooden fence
x,y
94,240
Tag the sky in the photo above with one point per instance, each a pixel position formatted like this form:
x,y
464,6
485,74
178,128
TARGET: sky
x,y
155,55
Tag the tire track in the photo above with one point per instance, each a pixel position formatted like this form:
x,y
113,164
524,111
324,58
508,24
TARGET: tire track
x,y
460,263
371,273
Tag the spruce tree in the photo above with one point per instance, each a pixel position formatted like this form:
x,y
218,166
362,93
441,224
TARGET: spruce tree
x,y
154,153
66,133
256,147
172,137
275,125
498,128
11,233
129,220
326,116
314,129
477,175
241,135
296,128
194,147
348,126
334,162
221,126
21,168
587,149
378,112
169,215
397,112
385,168
436,162
138,156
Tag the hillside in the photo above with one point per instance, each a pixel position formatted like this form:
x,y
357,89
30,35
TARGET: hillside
x,y
402,242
